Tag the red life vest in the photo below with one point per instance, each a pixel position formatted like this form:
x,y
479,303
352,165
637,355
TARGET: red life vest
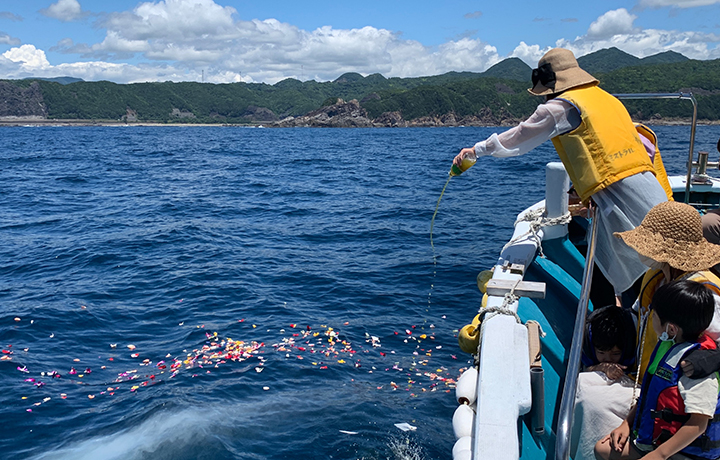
x,y
661,409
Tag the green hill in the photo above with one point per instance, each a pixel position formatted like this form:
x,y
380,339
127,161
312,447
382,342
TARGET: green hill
x,y
607,60
668,57
490,97
511,68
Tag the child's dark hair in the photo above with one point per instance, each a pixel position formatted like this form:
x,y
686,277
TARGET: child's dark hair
x,y
606,328
688,304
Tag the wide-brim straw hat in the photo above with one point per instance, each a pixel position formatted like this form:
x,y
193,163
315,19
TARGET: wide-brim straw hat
x,y
672,232
567,73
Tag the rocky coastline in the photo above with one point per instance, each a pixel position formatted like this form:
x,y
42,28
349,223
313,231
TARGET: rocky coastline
x,y
351,114
341,114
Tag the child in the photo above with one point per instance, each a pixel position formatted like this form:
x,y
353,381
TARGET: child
x,y
609,345
674,413
603,397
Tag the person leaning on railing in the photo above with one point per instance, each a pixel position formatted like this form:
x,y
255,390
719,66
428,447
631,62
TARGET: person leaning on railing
x,y
600,148
670,241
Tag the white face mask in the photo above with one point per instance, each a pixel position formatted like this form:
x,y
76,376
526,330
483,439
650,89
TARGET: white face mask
x,y
665,337
655,265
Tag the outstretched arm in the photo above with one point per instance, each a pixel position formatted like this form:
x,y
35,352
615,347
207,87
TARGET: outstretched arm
x,y
551,119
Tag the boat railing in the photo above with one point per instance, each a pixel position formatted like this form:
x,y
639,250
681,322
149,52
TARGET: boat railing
x,y
682,96
567,403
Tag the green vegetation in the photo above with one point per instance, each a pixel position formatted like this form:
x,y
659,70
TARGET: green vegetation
x,y
495,95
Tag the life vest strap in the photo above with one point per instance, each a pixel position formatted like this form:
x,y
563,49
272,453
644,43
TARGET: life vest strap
x,y
668,415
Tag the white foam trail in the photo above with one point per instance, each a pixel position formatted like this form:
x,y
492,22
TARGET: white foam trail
x,y
162,428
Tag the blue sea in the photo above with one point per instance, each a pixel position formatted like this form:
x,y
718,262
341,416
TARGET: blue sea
x,y
236,293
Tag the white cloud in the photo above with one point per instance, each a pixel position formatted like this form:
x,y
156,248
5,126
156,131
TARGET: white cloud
x,y
179,39
615,28
28,57
270,50
64,10
6,39
182,20
612,23
676,3
115,43
531,54
27,61
649,42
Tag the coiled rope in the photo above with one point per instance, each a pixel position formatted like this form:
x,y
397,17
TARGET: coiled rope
x,y
537,220
503,309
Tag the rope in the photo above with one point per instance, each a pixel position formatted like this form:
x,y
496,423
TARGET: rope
x,y
643,328
537,221
540,329
503,309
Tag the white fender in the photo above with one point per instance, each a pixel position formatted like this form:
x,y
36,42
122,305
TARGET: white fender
x,y
466,388
463,421
462,449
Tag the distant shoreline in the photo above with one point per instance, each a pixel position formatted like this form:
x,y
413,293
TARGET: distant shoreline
x,y
35,122
19,122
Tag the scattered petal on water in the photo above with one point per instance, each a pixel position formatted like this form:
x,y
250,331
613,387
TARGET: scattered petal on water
x,y
405,426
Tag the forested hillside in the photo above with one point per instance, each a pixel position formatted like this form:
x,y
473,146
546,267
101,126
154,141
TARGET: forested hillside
x,y
491,97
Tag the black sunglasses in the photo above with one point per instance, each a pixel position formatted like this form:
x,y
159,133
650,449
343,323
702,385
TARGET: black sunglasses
x,y
545,75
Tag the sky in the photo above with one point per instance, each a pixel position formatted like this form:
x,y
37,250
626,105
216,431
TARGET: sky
x,y
224,41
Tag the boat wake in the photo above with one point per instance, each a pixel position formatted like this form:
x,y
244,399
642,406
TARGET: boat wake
x,y
405,449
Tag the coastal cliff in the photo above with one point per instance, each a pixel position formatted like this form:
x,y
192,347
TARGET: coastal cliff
x,y
22,102
351,114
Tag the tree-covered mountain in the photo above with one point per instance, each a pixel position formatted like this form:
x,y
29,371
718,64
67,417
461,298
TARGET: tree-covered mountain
x,y
494,96
607,60
61,80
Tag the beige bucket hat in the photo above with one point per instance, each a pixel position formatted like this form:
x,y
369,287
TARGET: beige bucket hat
x,y
558,71
672,232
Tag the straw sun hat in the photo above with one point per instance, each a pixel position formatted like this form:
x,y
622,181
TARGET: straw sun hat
x,y
558,71
672,232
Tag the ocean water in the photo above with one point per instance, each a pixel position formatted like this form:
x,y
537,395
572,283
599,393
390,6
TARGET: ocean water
x,y
235,293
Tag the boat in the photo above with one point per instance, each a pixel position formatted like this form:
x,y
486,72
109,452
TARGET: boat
x,y
517,400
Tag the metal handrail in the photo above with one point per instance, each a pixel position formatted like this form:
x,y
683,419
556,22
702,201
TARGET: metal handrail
x,y
685,96
567,403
